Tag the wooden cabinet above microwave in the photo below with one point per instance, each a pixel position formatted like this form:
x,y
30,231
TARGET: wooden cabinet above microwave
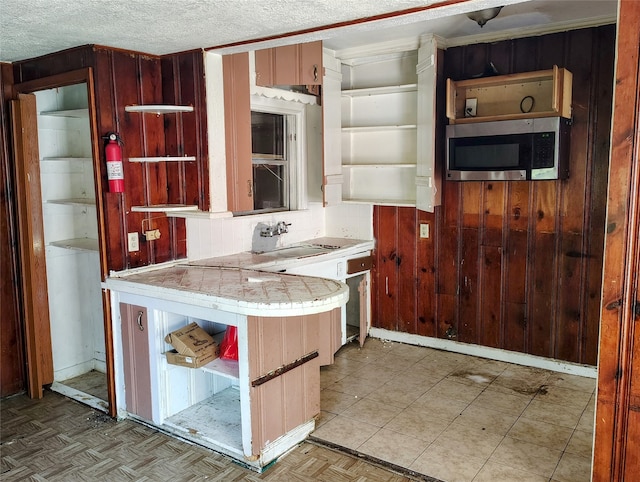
x,y
543,93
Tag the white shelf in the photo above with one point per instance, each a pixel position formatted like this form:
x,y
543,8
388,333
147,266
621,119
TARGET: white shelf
x,y
222,367
379,166
79,244
79,201
76,113
410,203
159,109
162,159
163,208
84,159
352,130
387,89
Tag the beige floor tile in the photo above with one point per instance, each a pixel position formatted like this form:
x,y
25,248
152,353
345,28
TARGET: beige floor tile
x,y
573,468
512,403
393,447
415,379
456,391
541,433
469,441
371,412
586,422
328,378
345,431
581,443
413,352
563,415
392,393
438,407
336,402
488,419
564,396
352,385
526,456
323,418
572,382
440,462
376,373
493,472
521,379
417,424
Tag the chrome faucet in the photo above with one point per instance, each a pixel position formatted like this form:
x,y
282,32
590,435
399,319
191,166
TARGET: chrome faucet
x,y
275,229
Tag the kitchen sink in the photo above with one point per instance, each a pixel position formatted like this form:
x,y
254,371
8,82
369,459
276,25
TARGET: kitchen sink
x,y
297,251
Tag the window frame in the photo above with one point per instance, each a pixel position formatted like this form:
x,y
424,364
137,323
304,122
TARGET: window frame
x,y
295,148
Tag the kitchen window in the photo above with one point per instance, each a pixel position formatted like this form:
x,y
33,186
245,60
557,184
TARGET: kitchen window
x,y
277,154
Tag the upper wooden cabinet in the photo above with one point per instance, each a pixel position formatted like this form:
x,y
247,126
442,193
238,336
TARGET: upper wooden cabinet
x,y
299,64
543,93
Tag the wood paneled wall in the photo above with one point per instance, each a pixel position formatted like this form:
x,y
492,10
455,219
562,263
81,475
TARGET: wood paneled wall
x,y
11,342
513,265
122,78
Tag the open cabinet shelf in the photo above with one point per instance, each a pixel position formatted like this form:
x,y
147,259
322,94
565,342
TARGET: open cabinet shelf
x,y
163,208
78,244
543,93
162,159
158,109
74,113
78,201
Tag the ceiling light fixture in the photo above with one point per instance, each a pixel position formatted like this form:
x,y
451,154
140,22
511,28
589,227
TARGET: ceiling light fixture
x,y
483,16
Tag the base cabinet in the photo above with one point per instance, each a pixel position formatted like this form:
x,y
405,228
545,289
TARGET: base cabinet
x,y
253,409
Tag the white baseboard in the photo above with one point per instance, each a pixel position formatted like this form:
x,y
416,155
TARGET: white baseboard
x,y
487,352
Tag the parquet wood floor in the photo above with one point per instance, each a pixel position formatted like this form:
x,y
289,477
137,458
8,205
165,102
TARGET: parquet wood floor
x,y
58,439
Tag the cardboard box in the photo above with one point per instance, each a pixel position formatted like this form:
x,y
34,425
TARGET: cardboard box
x,y
194,347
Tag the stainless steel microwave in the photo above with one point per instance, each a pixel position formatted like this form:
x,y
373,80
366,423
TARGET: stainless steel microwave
x,y
511,150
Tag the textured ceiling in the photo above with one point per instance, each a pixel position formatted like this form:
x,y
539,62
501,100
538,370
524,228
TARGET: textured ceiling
x,y
30,28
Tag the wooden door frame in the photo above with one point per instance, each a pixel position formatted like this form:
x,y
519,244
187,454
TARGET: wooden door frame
x,y
70,78
619,362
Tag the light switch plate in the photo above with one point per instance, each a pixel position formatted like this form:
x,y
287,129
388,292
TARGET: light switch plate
x,y
424,230
133,243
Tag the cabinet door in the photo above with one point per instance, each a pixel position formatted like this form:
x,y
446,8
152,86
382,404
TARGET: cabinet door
x,y
137,371
237,118
332,132
299,64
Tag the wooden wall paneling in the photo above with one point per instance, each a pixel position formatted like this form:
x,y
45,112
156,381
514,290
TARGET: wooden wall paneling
x,y
525,54
552,51
108,121
617,441
468,326
12,376
475,60
595,230
426,302
491,304
542,300
53,64
406,263
387,259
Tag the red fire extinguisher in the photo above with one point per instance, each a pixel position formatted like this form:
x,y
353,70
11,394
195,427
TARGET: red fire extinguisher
x,y
113,154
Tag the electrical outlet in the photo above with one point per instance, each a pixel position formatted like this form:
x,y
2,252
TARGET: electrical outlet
x,y
424,230
133,242
470,107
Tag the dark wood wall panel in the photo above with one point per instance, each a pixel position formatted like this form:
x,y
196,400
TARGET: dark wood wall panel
x,y
122,78
518,265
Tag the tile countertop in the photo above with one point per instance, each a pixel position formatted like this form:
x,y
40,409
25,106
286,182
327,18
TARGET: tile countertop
x,y
342,247
235,290
235,283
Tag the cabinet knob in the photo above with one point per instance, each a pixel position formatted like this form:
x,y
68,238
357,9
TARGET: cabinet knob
x,y
139,320
315,72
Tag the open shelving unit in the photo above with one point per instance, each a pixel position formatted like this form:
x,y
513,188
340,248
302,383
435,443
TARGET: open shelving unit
x,y
379,129
161,109
542,93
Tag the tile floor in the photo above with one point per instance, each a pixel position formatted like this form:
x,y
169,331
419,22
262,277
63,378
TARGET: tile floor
x,y
455,417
